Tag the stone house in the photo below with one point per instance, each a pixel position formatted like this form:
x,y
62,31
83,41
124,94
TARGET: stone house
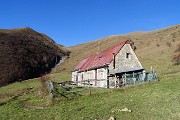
x,y
107,68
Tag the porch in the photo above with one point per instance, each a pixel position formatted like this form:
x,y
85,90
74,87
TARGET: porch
x,y
131,78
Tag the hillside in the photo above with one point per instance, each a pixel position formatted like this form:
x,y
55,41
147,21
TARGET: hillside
x,y
156,100
25,54
151,101
154,48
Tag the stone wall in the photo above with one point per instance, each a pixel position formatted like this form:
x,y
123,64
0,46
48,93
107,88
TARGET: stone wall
x,y
74,76
125,60
102,73
90,75
85,76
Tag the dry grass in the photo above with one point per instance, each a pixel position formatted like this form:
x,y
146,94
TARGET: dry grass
x,y
159,57
158,100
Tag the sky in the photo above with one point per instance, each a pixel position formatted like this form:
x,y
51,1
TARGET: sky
x,y
72,22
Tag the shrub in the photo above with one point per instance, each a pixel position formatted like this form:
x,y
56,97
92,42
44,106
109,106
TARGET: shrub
x,y
168,44
43,88
178,48
132,45
176,59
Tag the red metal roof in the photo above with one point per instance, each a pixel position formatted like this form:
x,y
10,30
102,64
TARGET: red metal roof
x,y
101,59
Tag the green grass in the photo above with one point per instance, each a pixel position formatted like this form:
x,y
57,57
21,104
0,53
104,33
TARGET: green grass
x,y
59,77
157,100
20,85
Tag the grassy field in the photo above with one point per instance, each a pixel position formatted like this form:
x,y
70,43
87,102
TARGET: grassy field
x,y
150,101
157,100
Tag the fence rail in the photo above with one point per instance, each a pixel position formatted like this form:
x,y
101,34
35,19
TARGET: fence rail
x,y
70,87
65,89
135,78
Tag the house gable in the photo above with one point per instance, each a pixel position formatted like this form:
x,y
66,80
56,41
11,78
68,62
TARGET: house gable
x,y
125,61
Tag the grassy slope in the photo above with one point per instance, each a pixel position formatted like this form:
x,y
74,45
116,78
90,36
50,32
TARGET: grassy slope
x,y
158,100
154,48
26,54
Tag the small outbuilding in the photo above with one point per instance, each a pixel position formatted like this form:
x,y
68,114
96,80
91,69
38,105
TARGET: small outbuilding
x,y
108,68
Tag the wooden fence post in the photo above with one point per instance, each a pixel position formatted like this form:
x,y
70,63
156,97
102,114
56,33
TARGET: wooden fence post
x,y
125,79
89,87
51,89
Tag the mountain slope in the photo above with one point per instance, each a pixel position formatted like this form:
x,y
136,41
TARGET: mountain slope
x,y
25,54
154,48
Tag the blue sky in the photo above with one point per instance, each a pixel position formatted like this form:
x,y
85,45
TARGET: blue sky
x,y
71,22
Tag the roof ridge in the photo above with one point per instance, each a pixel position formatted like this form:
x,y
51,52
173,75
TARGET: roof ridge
x,y
124,42
100,59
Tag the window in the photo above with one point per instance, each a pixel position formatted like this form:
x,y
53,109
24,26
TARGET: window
x,y
100,74
127,55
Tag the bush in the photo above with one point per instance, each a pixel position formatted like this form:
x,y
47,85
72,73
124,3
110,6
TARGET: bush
x,y
178,48
132,45
168,44
157,45
43,88
176,59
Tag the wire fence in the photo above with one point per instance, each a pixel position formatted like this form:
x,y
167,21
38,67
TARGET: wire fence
x,y
67,89
70,88
135,78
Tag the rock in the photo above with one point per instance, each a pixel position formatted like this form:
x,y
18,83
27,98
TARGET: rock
x,y
112,118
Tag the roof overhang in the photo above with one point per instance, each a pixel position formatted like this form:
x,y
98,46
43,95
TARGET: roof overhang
x,y
94,68
127,71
